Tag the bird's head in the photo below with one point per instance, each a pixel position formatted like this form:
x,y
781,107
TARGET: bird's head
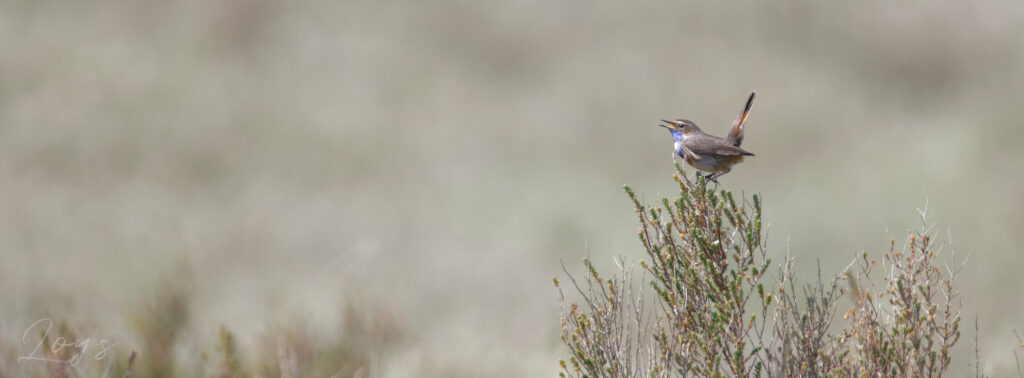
x,y
680,126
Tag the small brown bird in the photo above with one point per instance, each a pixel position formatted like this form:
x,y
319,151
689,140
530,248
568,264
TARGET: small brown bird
x,y
709,153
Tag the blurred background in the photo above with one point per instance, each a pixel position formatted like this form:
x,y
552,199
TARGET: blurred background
x,y
423,167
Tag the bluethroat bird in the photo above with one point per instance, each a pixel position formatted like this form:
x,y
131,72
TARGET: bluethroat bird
x,y
709,153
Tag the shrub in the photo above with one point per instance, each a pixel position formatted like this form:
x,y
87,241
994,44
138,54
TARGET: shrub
x,y
719,313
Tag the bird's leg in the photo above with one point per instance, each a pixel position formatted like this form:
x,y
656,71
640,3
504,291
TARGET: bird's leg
x,y
714,177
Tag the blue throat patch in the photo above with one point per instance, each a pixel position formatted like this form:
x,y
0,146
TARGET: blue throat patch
x,y
677,137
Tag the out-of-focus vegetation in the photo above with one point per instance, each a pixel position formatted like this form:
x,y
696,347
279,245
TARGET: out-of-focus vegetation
x,y
423,166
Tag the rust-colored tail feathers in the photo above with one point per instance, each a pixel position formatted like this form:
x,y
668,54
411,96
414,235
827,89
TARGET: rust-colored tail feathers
x,y
736,131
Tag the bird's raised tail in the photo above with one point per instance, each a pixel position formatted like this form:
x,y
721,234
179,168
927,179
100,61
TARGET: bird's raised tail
x,y
736,131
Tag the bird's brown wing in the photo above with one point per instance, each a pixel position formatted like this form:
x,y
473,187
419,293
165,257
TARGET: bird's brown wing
x,y
705,144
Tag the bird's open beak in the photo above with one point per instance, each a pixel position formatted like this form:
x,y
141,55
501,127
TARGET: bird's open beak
x,y
673,123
